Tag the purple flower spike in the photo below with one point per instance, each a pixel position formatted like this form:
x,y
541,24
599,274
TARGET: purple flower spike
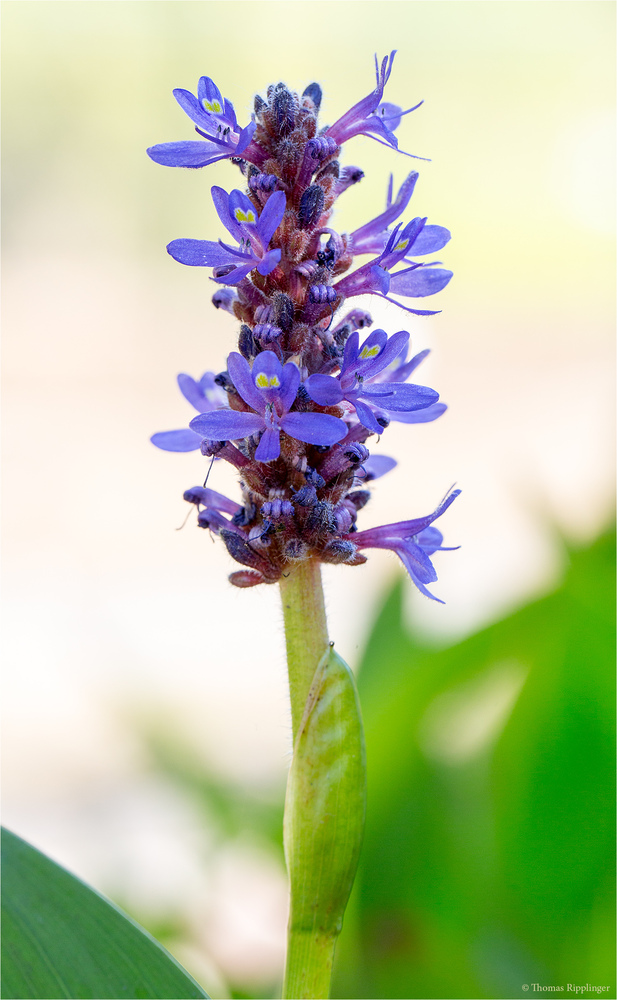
x,y
371,116
304,391
412,541
358,380
270,389
203,395
214,119
252,232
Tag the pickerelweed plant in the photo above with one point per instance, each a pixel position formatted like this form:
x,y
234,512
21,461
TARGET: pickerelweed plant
x,y
294,412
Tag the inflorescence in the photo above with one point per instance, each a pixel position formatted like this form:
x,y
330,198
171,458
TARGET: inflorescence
x,y
304,392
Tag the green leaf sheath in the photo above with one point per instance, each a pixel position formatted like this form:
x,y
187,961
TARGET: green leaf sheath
x,y
62,940
326,793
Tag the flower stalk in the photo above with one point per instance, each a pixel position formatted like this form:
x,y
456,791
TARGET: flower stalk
x,y
326,790
296,411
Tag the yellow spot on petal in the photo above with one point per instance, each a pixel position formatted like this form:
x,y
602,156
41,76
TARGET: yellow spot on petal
x,y
274,382
401,245
262,381
214,107
368,352
242,216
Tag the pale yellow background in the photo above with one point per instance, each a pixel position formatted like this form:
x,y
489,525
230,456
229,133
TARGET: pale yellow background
x,y
113,616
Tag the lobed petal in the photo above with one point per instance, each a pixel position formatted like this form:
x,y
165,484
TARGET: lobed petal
x,y
324,390
242,378
181,440
191,153
420,281
269,447
227,425
314,428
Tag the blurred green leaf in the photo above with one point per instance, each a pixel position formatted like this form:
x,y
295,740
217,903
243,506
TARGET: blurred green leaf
x,y
61,939
231,809
488,858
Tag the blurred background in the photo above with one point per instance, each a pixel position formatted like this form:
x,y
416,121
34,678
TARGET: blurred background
x,y
147,730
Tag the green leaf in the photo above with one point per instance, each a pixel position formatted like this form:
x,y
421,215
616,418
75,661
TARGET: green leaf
x,y
490,828
324,822
62,940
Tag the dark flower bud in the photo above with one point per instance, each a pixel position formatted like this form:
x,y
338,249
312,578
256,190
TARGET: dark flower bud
x,y
267,333
314,92
321,293
244,516
224,381
295,549
306,496
327,257
276,509
210,448
338,551
357,453
224,298
246,343
343,517
283,309
262,182
359,498
314,479
311,206
322,516
284,109
240,550
259,104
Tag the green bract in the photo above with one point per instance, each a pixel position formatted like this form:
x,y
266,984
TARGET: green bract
x,y
324,822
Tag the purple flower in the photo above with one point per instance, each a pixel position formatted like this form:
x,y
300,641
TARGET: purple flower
x,y
412,541
417,280
215,120
374,235
357,382
399,371
239,216
270,389
371,116
203,395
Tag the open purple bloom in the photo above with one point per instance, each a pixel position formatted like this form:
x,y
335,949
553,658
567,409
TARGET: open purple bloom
x,y
203,395
374,235
416,281
215,120
253,232
358,383
270,389
412,541
371,116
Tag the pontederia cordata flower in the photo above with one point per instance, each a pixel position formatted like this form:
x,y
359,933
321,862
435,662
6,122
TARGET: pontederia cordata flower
x,y
296,411
305,393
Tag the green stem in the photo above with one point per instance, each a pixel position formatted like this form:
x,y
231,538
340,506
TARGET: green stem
x,y
308,967
306,631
